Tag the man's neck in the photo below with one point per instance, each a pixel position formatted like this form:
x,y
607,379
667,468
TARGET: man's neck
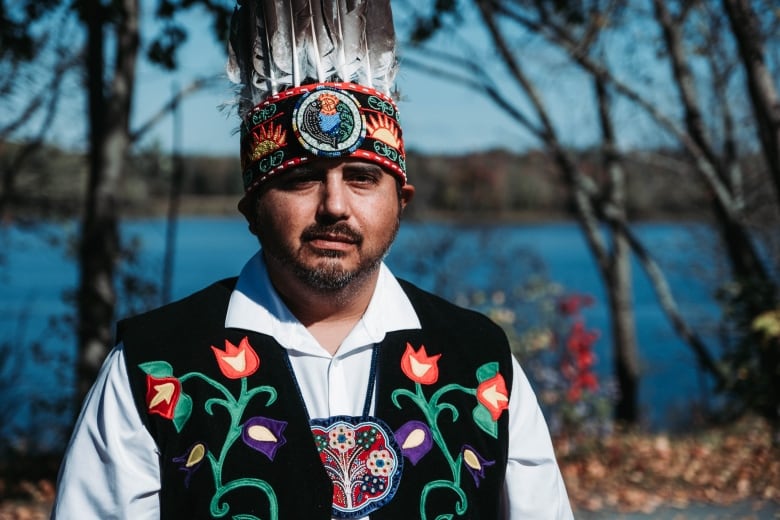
x,y
329,316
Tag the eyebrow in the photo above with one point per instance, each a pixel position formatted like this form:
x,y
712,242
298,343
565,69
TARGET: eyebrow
x,y
352,167
302,170
364,167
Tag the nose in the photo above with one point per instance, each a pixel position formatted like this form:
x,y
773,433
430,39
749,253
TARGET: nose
x,y
334,204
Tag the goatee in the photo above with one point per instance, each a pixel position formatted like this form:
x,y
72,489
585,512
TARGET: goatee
x,y
328,276
333,278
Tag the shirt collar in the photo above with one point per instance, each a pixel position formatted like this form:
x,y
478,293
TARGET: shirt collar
x,y
255,305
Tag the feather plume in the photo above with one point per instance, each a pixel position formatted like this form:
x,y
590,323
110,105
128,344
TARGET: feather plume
x,y
278,44
382,61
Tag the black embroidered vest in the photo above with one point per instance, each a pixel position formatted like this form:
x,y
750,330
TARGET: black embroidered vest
x,y
233,434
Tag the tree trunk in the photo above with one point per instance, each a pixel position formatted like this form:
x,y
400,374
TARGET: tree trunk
x,y
756,293
109,140
619,290
756,289
614,264
617,275
761,86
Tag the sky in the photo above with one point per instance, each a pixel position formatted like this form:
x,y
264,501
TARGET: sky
x,y
437,116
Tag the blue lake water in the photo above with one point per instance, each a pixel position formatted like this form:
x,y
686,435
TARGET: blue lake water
x,y
36,271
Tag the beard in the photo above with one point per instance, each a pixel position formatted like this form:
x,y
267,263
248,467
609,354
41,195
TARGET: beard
x,y
327,274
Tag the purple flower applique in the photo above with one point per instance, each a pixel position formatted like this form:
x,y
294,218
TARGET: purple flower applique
x,y
475,463
264,435
191,460
415,440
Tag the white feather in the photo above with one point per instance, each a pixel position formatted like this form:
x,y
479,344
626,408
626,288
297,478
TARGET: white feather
x,y
278,44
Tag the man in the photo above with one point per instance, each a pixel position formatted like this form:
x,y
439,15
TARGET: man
x,y
316,384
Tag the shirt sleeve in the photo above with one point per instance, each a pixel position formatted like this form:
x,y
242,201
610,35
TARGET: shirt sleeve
x,y
534,487
111,465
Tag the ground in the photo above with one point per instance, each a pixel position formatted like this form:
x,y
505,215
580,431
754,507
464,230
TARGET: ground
x,y
726,472
730,472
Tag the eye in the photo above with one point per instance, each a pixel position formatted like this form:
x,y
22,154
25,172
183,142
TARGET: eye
x,y
363,179
298,179
364,176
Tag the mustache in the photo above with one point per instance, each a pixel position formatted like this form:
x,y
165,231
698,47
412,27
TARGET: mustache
x,y
340,230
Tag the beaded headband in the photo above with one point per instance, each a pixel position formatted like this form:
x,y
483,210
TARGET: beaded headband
x,y
314,79
320,120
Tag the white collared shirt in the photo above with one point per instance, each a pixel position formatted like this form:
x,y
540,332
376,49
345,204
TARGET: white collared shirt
x,y
111,467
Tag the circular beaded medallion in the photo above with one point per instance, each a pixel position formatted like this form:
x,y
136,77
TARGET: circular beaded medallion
x,y
328,122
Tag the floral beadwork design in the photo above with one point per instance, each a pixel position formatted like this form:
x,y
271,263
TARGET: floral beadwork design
x,y
380,463
165,396
417,438
341,438
360,459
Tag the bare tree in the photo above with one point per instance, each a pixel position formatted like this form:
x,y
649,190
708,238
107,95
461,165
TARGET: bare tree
x,y
110,85
616,269
109,117
110,142
583,32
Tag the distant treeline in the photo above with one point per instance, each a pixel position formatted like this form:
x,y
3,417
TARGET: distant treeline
x,y
485,185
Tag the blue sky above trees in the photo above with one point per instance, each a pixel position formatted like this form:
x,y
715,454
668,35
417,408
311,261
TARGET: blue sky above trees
x,y
438,116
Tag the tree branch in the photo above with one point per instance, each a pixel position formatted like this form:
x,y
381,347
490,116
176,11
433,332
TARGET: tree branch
x,y
169,106
558,36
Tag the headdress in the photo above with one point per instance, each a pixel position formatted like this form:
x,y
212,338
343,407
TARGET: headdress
x,y
315,81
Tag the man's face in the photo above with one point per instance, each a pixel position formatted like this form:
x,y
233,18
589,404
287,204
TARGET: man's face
x,y
329,222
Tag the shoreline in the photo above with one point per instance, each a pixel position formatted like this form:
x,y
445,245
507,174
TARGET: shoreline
x,y
226,206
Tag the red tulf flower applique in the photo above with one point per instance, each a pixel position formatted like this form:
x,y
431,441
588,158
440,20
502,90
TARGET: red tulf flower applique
x,y
419,366
239,361
493,395
162,395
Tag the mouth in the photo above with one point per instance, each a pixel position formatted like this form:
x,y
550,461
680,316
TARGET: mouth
x,y
328,242
337,239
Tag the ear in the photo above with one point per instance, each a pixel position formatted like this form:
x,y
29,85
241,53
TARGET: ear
x,y
407,194
248,207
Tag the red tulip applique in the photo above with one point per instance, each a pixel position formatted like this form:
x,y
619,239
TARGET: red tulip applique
x,y
162,395
239,361
492,394
419,366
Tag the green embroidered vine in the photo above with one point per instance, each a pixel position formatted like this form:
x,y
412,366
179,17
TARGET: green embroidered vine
x,y
431,410
166,397
492,399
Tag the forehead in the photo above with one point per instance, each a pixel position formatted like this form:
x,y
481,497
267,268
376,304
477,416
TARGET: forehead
x,y
321,164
